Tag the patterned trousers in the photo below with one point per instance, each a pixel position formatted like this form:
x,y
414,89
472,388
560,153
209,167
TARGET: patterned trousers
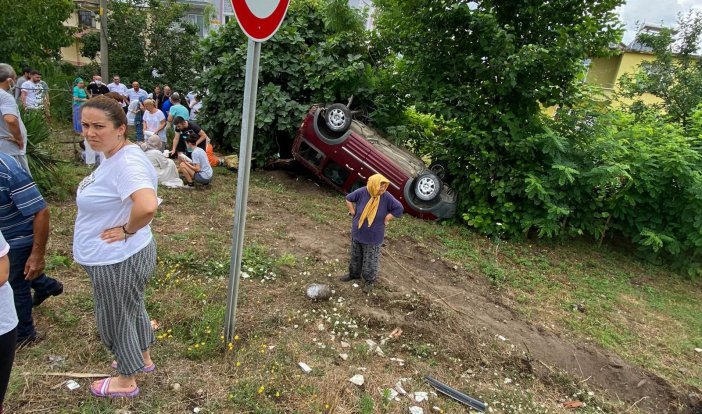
x,y
365,261
120,312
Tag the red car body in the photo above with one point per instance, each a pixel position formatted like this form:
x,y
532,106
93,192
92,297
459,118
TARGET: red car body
x,y
346,159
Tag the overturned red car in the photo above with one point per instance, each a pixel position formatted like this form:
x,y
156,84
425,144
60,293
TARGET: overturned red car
x,y
345,152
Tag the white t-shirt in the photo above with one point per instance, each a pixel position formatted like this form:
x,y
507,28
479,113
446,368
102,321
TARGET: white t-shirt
x,y
120,89
103,203
8,314
194,110
152,122
36,93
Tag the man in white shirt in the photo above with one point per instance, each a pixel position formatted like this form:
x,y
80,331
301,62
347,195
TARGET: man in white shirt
x,y
13,134
119,88
35,92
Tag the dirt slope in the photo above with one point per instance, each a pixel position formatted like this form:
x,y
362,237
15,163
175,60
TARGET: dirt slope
x,y
462,312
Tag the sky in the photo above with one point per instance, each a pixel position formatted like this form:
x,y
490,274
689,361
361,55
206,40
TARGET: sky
x,y
657,12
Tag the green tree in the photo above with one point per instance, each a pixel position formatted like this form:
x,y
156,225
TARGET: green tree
x,y
491,66
316,56
32,31
675,75
147,37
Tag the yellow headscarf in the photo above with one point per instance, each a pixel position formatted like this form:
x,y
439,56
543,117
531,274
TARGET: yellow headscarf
x,y
371,208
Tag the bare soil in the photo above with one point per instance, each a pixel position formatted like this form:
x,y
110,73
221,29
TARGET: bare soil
x,y
462,310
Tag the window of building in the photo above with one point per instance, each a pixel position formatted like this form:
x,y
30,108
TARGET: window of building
x,y
197,20
85,18
228,18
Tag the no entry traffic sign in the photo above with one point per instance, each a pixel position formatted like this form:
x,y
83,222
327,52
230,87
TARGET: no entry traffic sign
x,y
260,19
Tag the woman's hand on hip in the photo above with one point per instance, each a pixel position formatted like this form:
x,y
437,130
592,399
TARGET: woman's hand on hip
x,y
114,234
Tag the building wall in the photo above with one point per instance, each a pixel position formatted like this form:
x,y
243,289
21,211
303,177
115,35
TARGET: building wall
x,y
71,54
607,71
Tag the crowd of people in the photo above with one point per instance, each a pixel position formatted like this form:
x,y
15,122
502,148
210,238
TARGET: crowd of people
x,y
116,203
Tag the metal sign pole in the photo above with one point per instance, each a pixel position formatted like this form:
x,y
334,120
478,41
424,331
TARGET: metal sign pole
x,y
248,118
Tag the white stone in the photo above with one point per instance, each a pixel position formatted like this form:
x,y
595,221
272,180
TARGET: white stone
x,y
420,396
344,356
305,368
416,410
508,380
698,350
357,379
345,344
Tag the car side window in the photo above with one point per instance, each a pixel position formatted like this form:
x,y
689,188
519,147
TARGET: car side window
x,y
336,173
310,154
358,184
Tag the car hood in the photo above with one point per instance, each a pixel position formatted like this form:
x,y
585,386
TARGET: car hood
x,y
402,157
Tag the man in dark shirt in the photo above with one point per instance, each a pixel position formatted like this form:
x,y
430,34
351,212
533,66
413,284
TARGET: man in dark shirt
x,y
96,87
183,129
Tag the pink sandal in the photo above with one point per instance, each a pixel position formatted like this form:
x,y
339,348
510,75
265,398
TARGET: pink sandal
x,y
103,390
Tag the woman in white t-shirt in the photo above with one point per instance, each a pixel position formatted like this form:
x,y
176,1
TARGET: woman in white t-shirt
x,y
154,120
8,321
113,242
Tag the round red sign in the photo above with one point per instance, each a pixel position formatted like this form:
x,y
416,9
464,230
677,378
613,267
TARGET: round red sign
x,y
260,19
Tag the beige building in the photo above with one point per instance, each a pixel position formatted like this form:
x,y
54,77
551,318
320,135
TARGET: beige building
x,y
86,19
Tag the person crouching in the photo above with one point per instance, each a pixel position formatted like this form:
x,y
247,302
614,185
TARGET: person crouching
x,y
197,169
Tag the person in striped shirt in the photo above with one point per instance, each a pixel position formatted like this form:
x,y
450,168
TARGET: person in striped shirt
x,y
24,222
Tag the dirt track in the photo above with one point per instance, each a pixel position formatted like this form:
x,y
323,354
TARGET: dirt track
x,y
462,311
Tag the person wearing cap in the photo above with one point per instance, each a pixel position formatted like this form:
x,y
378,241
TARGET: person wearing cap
x,y
79,97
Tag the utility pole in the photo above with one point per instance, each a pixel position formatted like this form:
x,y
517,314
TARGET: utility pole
x,y
104,70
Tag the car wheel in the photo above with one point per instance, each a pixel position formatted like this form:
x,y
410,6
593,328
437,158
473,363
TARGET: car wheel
x,y
427,186
440,169
337,117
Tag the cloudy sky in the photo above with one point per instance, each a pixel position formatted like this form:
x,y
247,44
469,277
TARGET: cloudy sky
x,y
658,12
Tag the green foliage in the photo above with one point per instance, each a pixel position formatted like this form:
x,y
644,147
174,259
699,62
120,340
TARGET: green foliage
x,y
316,56
674,76
32,31
40,158
142,39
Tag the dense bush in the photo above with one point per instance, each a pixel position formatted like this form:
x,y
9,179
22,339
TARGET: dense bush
x,y
317,56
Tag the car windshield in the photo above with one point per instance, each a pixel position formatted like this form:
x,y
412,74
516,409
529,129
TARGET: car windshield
x,y
406,160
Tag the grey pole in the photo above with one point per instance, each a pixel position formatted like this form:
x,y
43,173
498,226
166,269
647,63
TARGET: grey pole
x,y
248,118
104,61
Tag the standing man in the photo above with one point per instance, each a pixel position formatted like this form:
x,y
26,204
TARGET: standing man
x,y
13,134
35,92
96,87
119,88
165,106
136,94
24,221
25,77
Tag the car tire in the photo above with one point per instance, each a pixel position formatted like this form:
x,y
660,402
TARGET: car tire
x,y
440,168
337,117
427,186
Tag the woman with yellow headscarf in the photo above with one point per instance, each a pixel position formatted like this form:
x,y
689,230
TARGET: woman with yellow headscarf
x,y
372,208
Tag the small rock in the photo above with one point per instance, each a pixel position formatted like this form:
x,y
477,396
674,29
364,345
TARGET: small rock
x,y
200,391
392,394
437,409
641,383
379,352
355,285
175,387
345,345
357,379
416,410
508,380
197,410
684,371
400,362
344,356
371,344
305,368
420,396
698,350
320,327
501,338
399,389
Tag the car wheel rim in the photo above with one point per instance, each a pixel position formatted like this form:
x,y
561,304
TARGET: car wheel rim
x,y
337,118
426,187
